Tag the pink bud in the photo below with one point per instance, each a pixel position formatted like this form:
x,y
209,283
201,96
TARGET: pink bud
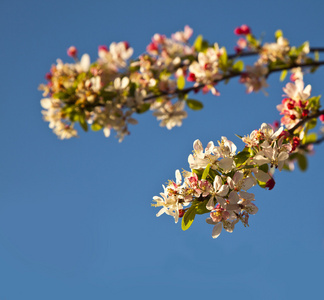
x,y
181,213
48,76
152,48
191,77
103,48
72,52
321,117
126,45
276,124
244,30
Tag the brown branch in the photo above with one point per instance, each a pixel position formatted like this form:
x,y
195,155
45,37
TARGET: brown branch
x,y
229,76
301,122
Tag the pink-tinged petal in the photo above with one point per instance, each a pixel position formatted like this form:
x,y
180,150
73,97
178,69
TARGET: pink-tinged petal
x,y
283,156
211,204
217,230
247,196
260,160
162,211
198,146
231,183
231,207
217,182
229,226
233,197
227,164
85,62
248,183
210,221
277,133
223,190
178,177
221,201
307,91
251,209
238,176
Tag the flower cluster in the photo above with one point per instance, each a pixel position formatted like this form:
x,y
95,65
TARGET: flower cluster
x,y
220,178
106,94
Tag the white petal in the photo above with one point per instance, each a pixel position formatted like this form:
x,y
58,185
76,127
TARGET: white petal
x,y
217,230
211,204
85,62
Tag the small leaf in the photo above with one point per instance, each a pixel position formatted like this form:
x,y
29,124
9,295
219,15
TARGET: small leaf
x,y
96,127
143,108
283,75
262,184
278,34
238,66
316,56
198,43
201,207
198,172
310,138
194,104
83,122
302,162
188,218
223,57
241,157
264,168
181,82
206,172
311,124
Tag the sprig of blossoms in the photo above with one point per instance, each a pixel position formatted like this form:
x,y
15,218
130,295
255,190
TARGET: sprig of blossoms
x,y
107,93
220,179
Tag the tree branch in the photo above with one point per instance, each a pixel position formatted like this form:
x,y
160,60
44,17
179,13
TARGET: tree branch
x,y
200,86
301,122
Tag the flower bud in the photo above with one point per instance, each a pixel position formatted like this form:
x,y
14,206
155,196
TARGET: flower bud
x,y
72,52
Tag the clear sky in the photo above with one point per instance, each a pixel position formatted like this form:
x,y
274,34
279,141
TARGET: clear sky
x,y
76,220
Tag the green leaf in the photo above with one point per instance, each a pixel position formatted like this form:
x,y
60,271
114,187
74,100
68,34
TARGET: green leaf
x,y
262,184
241,157
311,124
83,122
238,66
302,162
194,104
96,127
264,168
206,172
61,95
201,207
181,82
283,75
188,218
223,58
198,43
143,108
316,56
310,138
278,34
198,172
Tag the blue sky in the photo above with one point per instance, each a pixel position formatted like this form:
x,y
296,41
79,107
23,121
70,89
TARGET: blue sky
x,y
75,216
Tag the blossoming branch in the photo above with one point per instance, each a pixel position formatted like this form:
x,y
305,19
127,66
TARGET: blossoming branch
x,y
220,178
108,93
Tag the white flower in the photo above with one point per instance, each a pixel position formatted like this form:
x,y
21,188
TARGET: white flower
x,y
296,90
171,115
220,191
200,159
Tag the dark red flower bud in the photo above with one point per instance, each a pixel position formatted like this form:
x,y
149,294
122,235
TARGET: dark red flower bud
x,y
270,184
